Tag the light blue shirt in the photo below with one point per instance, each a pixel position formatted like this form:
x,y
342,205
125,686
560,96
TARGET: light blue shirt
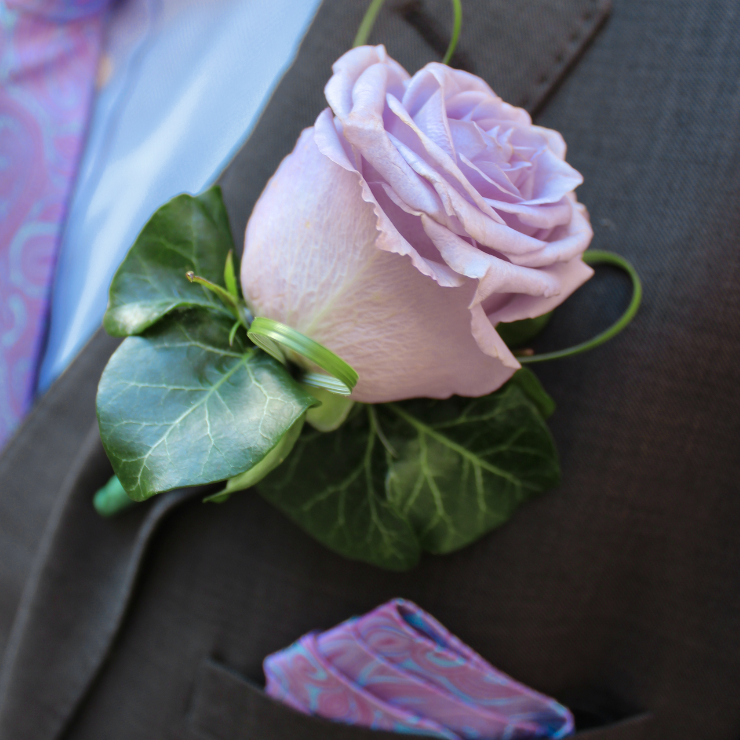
x,y
187,80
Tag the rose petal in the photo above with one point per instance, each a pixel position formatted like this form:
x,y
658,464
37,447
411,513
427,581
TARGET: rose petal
x,y
494,234
571,275
553,178
347,70
453,82
364,129
461,105
373,308
412,338
541,217
494,274
565,243
390,240
492,183
495,109
431,118
555,141
437,156
470,140
489,340
408,224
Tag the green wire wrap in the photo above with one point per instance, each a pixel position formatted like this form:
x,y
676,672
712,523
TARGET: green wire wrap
x,y
273,337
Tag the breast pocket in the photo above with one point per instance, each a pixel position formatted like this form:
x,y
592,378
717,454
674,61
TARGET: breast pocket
x,y
227,706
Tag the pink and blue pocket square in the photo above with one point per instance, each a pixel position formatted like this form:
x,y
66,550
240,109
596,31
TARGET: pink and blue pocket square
x,y
398,669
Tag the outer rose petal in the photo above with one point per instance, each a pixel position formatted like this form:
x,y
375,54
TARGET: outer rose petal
x,y
571,275
311,261
327,140
572,240
348,69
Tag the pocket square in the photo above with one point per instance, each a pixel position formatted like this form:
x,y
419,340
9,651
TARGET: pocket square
x,y
397,668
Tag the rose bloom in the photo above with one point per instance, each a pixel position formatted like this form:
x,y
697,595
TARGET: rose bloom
x,y
415,215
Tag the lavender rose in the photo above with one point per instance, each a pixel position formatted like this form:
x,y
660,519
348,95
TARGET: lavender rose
x,y
405,226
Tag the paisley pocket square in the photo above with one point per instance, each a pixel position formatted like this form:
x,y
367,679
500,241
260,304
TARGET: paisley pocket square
x,y
397,668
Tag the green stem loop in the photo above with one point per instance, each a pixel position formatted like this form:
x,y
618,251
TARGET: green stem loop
x,y
371,14
599,258
272,337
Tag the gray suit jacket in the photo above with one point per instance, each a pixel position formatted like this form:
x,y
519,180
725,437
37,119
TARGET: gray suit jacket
x,y
619,593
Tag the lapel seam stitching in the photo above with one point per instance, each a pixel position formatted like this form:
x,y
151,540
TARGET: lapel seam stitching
x,y
589,21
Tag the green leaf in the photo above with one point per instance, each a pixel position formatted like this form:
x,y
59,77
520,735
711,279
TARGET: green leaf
x,y
530,384
465,465
332,486
187,234
276,456
178,407
518,333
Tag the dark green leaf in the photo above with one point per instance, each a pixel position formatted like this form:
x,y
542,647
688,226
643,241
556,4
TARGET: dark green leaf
x,y
465,465
532,388
178,407
332,486
518,333
187,234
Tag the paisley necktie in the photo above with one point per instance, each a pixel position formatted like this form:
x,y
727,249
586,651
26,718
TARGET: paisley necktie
x,y
48,60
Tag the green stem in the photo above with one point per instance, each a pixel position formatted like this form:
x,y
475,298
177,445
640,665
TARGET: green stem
x,y
457,25
368,21
599,258
112,499
371,14
237,308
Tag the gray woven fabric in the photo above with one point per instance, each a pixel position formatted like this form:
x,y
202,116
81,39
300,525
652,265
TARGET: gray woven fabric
x,y
617,593
34,465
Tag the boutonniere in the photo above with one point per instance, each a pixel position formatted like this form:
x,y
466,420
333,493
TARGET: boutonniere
x,y
363,364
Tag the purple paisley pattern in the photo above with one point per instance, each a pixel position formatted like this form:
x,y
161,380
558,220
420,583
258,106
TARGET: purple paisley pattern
x,y
48,58
397,668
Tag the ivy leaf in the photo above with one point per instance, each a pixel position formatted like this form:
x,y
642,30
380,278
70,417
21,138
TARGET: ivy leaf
x,y
187,234
465,465
518,333
332,486
178,407
530,385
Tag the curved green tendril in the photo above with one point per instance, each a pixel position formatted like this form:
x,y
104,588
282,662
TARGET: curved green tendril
x,y
457,25
368,21
272,337
599,258
371,14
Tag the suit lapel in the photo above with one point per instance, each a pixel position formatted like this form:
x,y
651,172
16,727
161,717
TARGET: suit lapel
x,y
85,569
29,482
74,600
522,49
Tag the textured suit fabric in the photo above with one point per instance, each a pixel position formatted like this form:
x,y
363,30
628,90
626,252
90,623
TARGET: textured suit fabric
x,y
34,466
618,593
